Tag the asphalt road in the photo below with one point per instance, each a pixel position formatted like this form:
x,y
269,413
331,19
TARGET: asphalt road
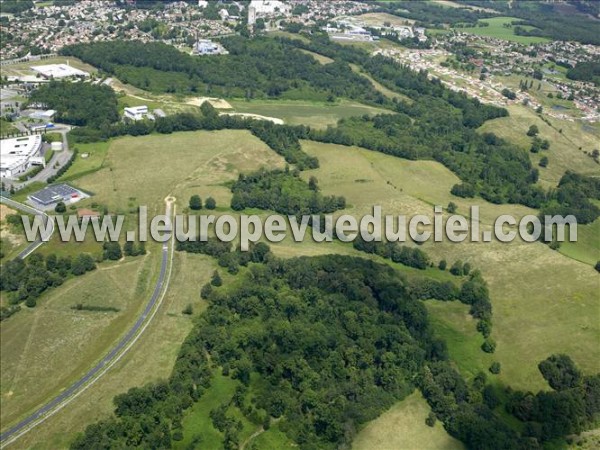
x,y
29,210
20,428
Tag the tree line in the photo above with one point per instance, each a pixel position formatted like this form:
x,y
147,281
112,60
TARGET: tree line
x,y
25,280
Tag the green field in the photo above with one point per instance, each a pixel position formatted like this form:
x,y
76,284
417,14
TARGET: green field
x,y
197,422
6,127
181,164
403,427
570,141
529,324
498,31
587,247
452,323
313,114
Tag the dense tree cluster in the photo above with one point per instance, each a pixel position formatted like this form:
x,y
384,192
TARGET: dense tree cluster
x,y
573,197
586,71
334,341
259,67
282,191
571,407
26,280
462,410
16,6
79,103
432,15
467,410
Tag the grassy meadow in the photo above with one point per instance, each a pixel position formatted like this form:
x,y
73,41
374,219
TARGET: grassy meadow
x,y
47,347
313,114
496,29
403,427
570,145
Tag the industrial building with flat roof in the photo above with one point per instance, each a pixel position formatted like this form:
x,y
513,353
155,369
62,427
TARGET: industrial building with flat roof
x,y
56,193
19,154
207,47
59,71
136,112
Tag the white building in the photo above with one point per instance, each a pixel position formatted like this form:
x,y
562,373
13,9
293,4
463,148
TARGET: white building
x,y
202,3
17,155
270,7
43,115
208,47
136,112
59,71
251,15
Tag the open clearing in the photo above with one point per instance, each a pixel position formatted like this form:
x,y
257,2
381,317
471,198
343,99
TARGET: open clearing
x,y
452,323
313,114
24,68
496,29
403,427
378,19
320,58
181,163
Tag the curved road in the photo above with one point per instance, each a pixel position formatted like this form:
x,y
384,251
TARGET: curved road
x,y
29,210
45,411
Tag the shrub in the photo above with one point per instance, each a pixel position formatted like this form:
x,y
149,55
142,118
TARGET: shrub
x,y
495,368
